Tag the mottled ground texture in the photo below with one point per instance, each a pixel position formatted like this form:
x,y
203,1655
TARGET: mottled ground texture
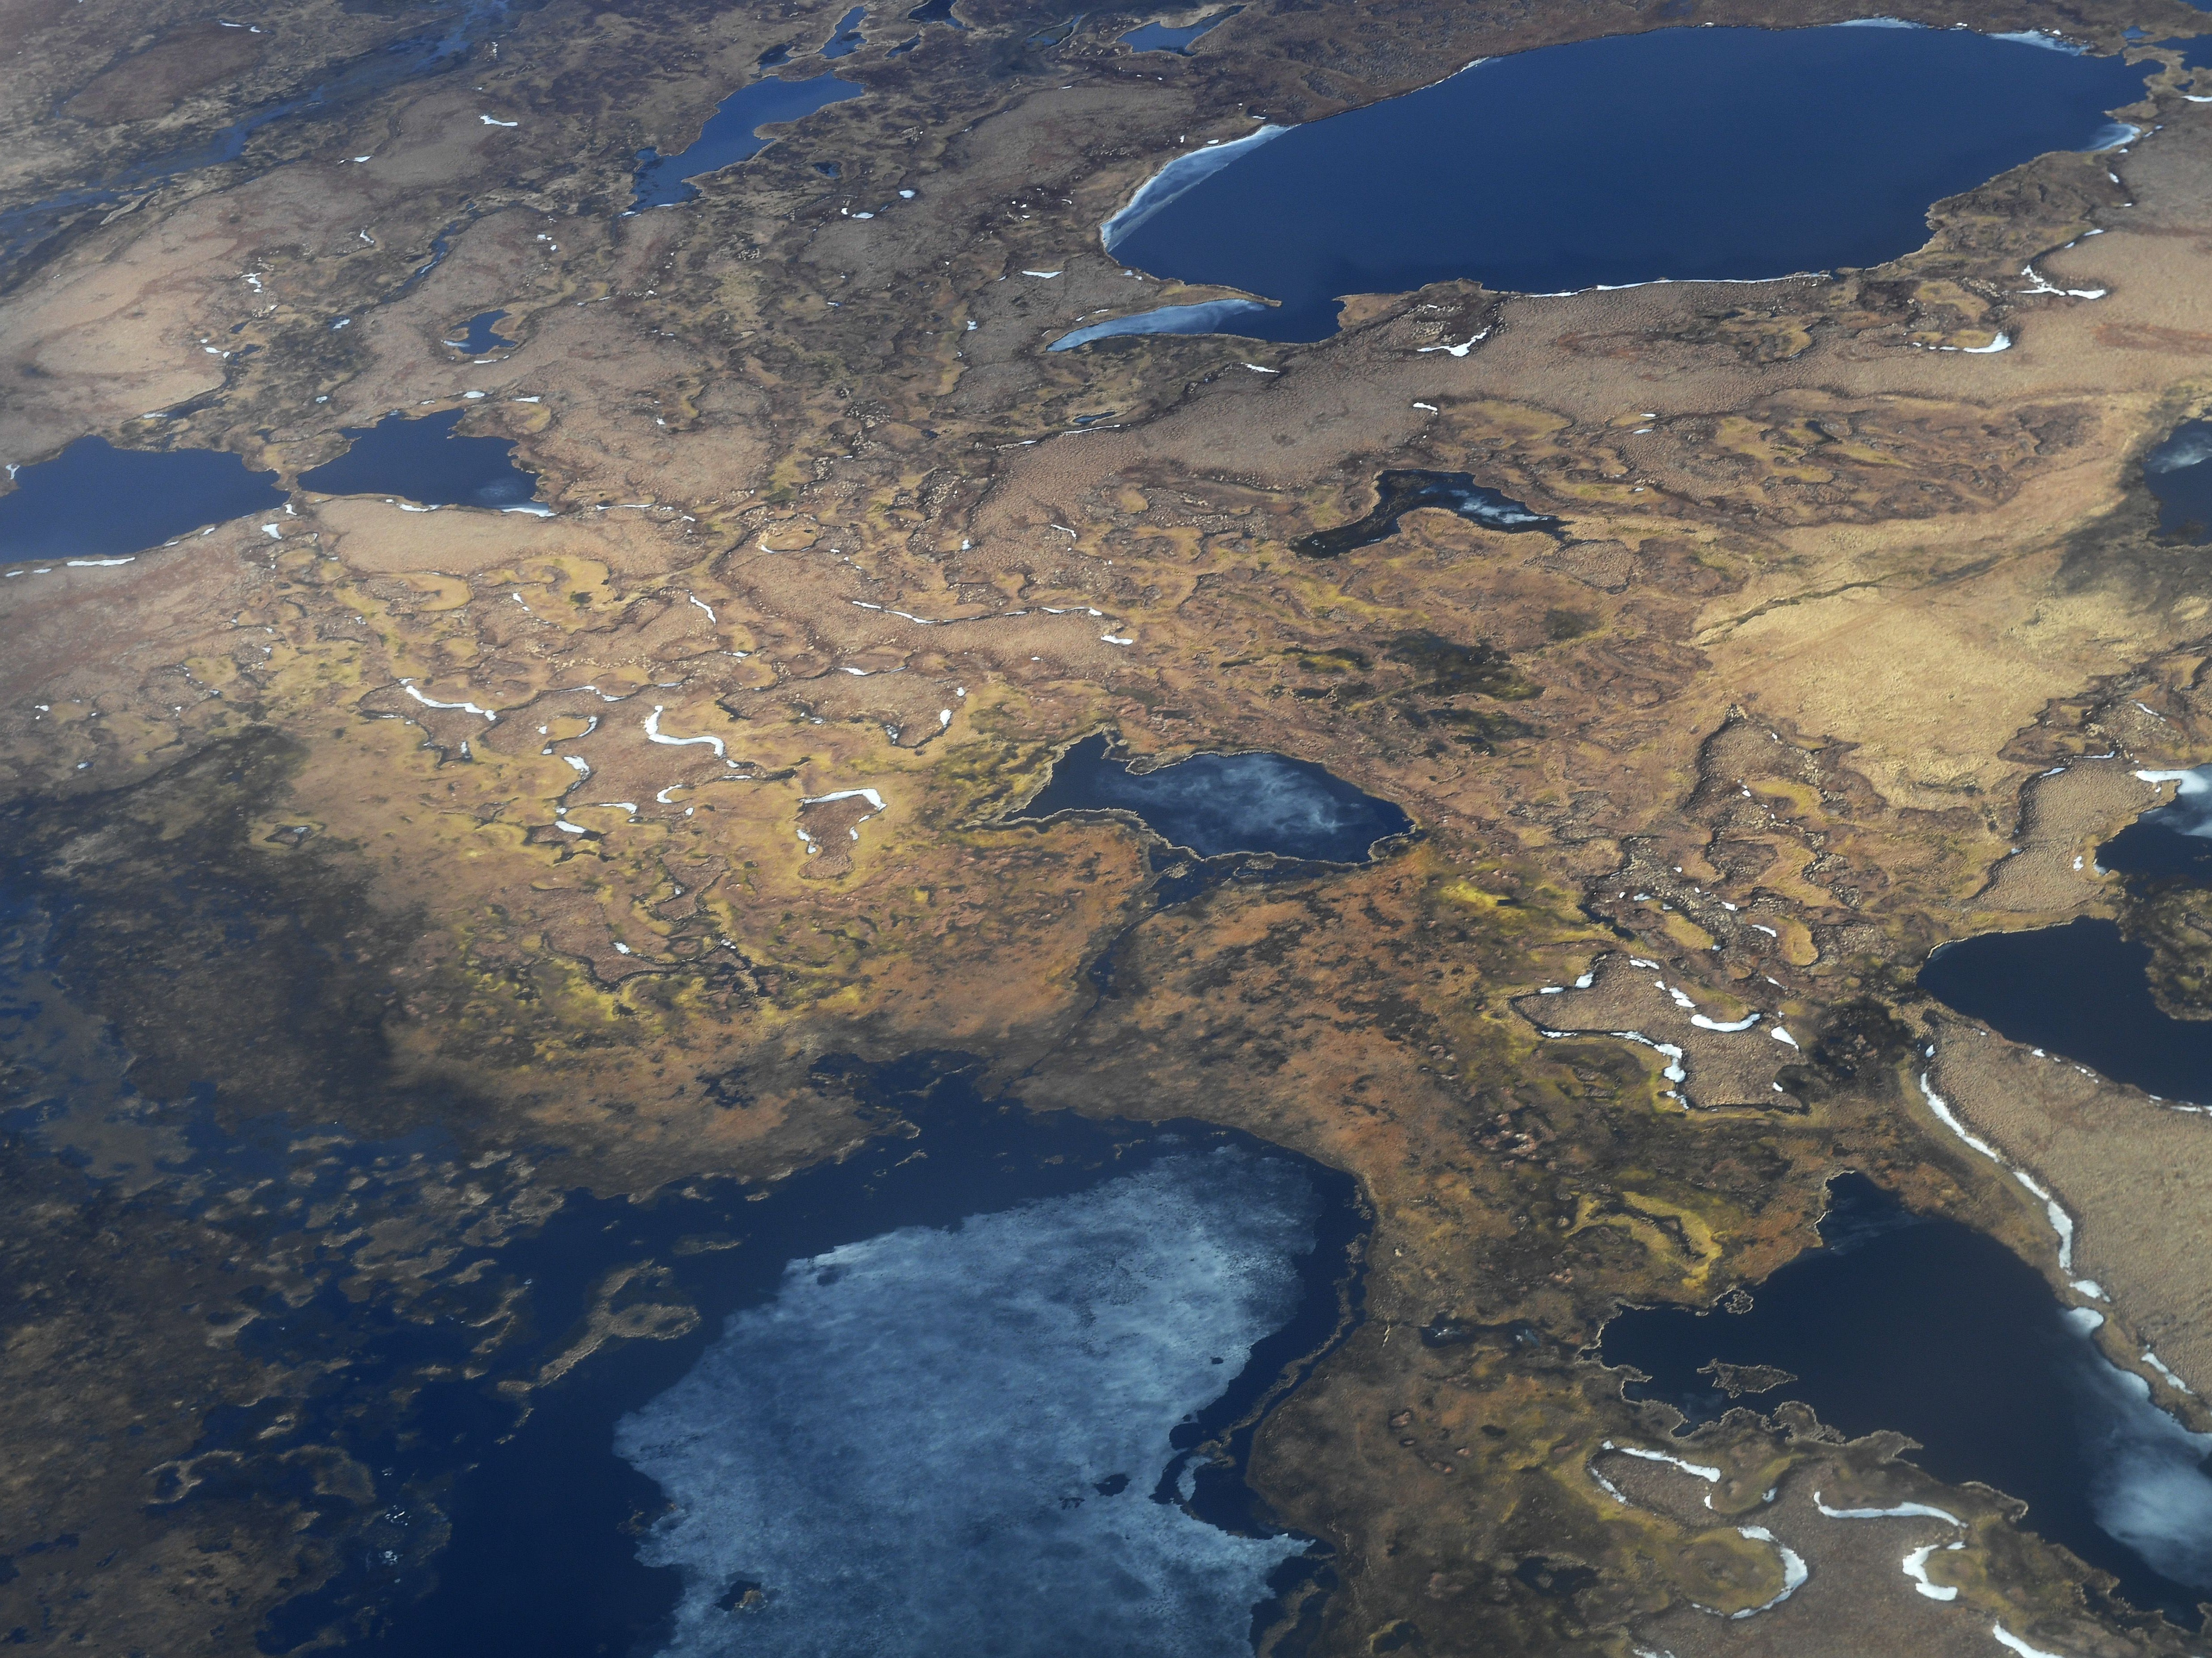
x,y
376,879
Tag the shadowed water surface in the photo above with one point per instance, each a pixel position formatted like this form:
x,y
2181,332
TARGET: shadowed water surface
x,y
2080,990
1217,804
1680,154
1926,1326
732,135
2179,478
422,461
94,501
1398,492
987,1385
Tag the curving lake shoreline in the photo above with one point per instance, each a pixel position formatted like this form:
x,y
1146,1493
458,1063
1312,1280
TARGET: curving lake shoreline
x,y
1619,162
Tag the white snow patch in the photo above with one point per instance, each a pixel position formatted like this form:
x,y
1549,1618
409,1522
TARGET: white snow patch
x,y
2007,1638
653,733
466,707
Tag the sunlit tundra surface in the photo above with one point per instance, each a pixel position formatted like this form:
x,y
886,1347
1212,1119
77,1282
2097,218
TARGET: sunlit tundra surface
x,y
753,906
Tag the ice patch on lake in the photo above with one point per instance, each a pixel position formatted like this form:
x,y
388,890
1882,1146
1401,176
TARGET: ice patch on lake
x,y
947,1441
2148,1486
2191,447
2190,811
1213,317
1181,174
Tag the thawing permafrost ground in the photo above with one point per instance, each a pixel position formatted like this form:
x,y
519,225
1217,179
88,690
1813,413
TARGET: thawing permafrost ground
x,y
938,1442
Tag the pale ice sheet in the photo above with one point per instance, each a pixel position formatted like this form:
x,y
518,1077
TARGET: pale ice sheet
x,y
1210,317
2190,811
915,1449
1189,169
2147,1487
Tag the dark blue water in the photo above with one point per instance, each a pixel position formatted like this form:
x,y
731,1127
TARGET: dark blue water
x,y
2079,991
1218,803
542,1560
1158,37
2150,848
2169,842
935,11
422,461
847,38
2177,476
732,134
1681,153
1398,492
481,335
94,501
1926,1326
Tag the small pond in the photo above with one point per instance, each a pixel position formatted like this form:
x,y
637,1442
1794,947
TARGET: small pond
x,y
1214,804
422,461
2182,483
480,335
1398,492
1927,1326
1705,154
732,135
94,501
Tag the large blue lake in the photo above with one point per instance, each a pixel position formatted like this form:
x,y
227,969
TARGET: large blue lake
x,y
1721,154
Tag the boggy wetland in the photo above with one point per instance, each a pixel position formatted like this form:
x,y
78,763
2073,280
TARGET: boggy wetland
x,y
1295,830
